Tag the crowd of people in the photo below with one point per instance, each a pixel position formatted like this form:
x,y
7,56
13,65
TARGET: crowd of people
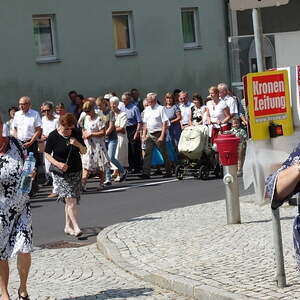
x,y
120,133
108,137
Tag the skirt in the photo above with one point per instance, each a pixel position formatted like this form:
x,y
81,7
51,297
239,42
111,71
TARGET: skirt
x,y
68,186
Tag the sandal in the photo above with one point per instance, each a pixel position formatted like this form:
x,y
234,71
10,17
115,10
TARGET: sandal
x,y
22,297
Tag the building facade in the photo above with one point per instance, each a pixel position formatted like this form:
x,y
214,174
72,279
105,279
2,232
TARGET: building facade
x,y
281,27
51,47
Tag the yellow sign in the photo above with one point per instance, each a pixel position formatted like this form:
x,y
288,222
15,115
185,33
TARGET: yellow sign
x,y
268,98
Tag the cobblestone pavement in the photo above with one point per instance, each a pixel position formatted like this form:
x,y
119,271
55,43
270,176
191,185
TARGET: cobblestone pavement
x,y
83,274
192,251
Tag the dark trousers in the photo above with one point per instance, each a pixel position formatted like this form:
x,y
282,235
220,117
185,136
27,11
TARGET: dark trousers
x,y
134,149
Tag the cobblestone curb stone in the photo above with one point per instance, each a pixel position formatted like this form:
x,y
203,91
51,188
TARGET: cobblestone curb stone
x,y
178,284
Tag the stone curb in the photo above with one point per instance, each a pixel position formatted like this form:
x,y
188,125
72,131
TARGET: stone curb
x,y
180,285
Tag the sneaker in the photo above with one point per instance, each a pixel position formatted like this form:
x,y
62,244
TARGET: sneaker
x,y
144,176
123,176
83,188
117,179
107,183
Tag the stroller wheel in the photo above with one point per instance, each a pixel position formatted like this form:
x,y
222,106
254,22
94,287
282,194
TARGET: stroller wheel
x,y
203,173
179,172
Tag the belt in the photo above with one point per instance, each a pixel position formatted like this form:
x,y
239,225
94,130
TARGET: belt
x,y
155,132
132,126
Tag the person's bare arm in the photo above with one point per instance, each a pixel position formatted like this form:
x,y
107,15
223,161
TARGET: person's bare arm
x,y
35,137
163,132
287,181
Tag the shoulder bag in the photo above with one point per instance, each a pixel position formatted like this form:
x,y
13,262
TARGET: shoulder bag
x,y
57,171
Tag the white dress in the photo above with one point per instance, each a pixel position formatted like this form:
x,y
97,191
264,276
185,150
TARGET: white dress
x,y
122,147
96,157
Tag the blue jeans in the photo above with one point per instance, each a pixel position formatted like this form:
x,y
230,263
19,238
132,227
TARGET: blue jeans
x,y
111,150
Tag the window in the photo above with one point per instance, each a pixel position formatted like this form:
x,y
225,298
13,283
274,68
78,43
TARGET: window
x,y
190,27
123,33
44,38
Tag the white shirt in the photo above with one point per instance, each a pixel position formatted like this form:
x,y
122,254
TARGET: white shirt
x,y
26,124
185,112
49,125
216,111
121,106
231,103
154,117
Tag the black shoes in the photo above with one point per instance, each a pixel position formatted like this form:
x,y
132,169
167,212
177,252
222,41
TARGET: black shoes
x,y
167,175
144,176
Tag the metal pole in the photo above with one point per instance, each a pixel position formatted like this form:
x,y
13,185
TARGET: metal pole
x,y
258,36
259,39
277,237
232,195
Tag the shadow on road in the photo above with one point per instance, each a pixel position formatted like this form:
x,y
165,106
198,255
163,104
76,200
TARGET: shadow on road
x,y
117,294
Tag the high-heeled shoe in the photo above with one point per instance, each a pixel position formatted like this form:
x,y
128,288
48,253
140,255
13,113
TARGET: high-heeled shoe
x,y
69,231
22,297
78,233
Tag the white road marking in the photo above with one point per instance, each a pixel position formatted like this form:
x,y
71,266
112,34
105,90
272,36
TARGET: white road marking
x,y
138,186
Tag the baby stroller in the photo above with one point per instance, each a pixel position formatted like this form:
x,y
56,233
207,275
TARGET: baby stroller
x,y
196,156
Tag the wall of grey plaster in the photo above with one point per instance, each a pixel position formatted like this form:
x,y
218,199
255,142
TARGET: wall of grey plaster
x,y
86,49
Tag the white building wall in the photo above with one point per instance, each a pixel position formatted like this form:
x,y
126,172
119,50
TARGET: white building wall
x,y
287,46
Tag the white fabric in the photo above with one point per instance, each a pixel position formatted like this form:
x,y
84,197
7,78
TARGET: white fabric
x,y
216,111
231,103
154,117
49,125
193,141
121,106
26,124
185,112
122,147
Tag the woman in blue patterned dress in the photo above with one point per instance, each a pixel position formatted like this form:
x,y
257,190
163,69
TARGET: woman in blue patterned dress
x,y
15,216
283,184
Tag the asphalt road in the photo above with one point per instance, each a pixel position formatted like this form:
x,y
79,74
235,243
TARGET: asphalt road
x,y
120,202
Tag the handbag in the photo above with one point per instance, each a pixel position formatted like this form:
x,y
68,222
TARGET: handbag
x,y
57,171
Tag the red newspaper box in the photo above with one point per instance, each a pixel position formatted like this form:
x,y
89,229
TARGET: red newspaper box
x,y
227,146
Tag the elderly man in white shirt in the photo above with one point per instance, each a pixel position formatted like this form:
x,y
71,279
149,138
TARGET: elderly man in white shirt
x,y
27,128
155,127
185,107
229,100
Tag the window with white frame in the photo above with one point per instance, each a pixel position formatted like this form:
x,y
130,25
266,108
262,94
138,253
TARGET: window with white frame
x,y
44,37
190,27
123,33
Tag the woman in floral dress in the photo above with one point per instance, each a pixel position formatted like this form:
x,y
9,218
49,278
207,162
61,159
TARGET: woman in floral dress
x,y
96,158
15,216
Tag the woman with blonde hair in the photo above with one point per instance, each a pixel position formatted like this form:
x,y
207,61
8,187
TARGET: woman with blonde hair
x,y
218,113
96,159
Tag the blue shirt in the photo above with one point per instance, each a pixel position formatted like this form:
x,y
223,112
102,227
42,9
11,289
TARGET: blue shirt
x,y
133,114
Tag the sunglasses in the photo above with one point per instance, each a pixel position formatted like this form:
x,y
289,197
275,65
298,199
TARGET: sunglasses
x,y
46,110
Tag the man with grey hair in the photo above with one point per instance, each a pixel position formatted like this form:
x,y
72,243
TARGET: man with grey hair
x,y
133,128
27,128
155,127
229,100
185,107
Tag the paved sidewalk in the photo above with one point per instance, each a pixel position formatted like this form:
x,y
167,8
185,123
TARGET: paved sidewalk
x,y
193,252
83,274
